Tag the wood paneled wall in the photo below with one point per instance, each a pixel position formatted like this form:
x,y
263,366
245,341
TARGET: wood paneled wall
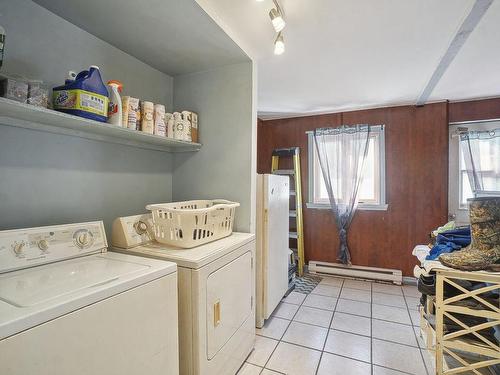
x,y
416,182
475,110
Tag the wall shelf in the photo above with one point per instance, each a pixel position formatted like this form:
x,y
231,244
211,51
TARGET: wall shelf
x,y
42,119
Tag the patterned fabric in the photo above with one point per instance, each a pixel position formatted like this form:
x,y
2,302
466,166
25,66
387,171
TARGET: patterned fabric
x,y
306,283
484,250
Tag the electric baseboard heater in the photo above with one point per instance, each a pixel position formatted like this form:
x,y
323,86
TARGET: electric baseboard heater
x,y
359,272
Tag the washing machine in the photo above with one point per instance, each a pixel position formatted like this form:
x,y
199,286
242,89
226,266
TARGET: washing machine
x,y
216,291
67,306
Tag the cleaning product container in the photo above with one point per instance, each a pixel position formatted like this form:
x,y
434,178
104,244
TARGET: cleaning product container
x,y
86,96
192,223
115,103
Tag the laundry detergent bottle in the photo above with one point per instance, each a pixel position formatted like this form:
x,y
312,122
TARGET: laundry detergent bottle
x,y
86,96
115,103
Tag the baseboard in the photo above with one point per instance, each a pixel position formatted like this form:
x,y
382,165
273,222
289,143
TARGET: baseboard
x,y
408,280
360,272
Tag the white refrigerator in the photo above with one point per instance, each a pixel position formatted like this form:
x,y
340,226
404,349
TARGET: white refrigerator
x,y
273,194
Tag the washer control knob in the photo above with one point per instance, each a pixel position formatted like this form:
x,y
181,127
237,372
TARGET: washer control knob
x,y
140,227
43,245
18,247
83,239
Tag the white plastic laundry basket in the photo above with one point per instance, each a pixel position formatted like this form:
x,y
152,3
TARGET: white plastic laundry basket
x,y
192,223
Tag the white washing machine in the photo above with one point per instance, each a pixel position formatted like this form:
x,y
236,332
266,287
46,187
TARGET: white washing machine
x,y
216,294
67,306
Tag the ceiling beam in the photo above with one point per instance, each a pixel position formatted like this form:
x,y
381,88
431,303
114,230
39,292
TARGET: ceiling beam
x,y
471,21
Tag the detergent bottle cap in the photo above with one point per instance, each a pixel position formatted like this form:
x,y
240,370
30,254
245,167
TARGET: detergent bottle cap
x,y
118,84
71,75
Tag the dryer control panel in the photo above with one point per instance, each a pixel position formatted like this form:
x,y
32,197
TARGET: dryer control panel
x,y
132,231
22,248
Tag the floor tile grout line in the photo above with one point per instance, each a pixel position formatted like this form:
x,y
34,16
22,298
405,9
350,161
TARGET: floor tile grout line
x,y
384,340
357,300
351,358
391,321
348,332
393,369
416,338
319,308
301,345
331,310
328,331
371,331
357,360
351,333
284,332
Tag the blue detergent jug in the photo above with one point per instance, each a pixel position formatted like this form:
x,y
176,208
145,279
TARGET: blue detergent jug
x,y
86,96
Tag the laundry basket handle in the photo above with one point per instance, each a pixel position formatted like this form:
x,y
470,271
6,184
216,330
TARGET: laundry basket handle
x,y
216,204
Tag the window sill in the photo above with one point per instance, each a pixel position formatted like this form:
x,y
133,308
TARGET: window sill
x,y
364,207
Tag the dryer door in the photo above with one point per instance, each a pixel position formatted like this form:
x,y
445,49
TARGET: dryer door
x,y
229,301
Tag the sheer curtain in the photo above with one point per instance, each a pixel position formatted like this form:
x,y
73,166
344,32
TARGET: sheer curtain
x,y
341,154
481,151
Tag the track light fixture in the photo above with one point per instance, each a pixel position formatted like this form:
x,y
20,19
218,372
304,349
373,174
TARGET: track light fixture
x,y
276,16
278,21
279,44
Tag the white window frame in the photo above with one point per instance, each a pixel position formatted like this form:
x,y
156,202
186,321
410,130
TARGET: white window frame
x,y
457,211
375,131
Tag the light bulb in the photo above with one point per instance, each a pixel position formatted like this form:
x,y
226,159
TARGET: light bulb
x,y
279,45
277,20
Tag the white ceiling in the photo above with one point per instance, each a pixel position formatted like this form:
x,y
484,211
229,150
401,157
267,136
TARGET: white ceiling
x,y
173,36
343,54
475,72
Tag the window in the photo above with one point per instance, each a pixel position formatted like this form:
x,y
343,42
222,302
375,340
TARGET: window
x,y
489,151
372,188
459,186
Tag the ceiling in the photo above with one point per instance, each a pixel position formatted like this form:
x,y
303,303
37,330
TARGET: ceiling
x,y
344,54
173,36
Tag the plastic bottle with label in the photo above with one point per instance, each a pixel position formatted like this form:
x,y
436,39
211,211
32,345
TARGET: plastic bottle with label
x,y
159,120
169,122
86,96
147,124
115,103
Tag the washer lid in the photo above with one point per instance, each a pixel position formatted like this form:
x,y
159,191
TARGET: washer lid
x,y
33,296
36,285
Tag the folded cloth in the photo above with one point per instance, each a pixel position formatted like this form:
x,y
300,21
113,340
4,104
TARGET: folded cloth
x,y
449,241
442,248
448,226
459,237
421,251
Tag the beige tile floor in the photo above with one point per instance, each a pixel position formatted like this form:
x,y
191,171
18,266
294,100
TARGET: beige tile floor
x,y
344,327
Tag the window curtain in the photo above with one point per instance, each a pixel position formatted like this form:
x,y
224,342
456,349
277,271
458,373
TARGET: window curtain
x,y
341,153
481,152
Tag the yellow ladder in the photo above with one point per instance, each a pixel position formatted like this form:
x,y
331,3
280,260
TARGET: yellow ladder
x,y
294,173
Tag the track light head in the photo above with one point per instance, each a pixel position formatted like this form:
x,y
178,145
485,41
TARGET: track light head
x,y
279,44
277,19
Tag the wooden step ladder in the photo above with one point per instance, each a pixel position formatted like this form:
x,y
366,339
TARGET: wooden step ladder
x,y
296,232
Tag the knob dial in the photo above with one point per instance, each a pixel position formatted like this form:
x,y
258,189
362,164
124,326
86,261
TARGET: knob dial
x,y
140,227
18,248
83,238
43,245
